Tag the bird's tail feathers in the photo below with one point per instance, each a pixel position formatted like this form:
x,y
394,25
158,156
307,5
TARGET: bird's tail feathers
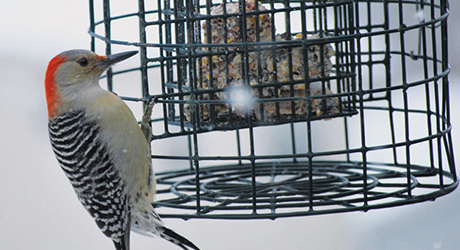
x,y
175,238
122,245
145,221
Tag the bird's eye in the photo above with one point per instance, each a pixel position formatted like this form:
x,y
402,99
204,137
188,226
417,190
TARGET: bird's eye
x,y
83,62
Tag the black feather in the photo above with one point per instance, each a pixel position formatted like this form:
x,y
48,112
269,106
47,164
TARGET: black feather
x,y
175,238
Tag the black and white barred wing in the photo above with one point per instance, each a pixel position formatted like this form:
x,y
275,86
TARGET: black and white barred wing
x,y
90,169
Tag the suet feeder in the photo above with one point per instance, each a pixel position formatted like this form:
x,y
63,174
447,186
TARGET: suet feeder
x,y
269,109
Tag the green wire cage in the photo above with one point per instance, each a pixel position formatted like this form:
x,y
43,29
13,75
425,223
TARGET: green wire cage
x,y
269,109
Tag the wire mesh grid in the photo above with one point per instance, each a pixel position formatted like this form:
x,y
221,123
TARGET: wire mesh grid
x,y
288,108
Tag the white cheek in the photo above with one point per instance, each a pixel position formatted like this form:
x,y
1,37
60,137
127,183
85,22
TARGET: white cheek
x,y
78,76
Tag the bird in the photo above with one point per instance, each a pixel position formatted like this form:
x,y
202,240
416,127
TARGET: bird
x,y
101,148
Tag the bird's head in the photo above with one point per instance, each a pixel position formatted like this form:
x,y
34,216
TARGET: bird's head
x,y
73,70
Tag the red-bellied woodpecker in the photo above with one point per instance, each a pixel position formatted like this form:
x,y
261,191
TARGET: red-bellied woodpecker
x,y
101,148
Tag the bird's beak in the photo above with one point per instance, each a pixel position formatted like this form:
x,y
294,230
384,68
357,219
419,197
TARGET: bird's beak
x,y
108,61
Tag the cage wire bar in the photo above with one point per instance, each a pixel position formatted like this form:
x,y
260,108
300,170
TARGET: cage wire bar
x,y
274,108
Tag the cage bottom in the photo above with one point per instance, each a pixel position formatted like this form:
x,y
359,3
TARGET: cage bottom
x,y
283,189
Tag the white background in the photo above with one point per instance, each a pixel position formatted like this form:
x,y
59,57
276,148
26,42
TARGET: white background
x,y
38,207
